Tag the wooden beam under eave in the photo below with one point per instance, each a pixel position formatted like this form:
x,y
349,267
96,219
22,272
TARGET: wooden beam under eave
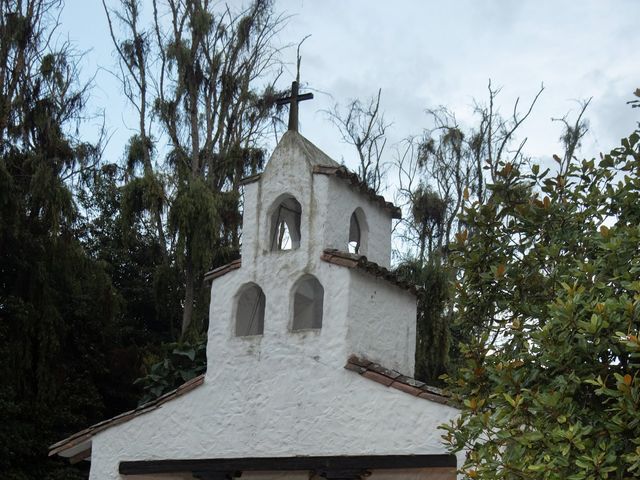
x,y
283,464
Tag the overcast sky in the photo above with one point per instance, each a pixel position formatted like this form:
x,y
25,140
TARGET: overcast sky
x,y
424,54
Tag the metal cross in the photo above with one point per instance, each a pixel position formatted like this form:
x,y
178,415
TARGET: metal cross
x,y
294,99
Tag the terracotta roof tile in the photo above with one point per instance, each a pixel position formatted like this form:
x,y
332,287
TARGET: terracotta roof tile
x,y
362,362
360,262
405,387
410,381
353,179
377,377
355,368
88,433
224,269
393,379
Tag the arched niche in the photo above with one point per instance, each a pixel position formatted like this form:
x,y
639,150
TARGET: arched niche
x,y
285,217
250,302
358,232
308,299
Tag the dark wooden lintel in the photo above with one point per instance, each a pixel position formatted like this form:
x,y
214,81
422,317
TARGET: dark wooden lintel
x,y
281,464
208,475
343,474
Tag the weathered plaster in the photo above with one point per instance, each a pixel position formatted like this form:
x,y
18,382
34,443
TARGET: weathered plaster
x,y
284,393
340,202
263,402
381,324
327,204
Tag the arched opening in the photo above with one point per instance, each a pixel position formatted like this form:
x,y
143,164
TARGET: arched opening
x,y
250,311
285,224
308,297
358,233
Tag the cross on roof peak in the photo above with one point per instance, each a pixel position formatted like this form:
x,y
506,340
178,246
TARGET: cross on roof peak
x,y
294,99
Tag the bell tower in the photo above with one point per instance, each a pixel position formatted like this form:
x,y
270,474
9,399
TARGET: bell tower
x,y
313,278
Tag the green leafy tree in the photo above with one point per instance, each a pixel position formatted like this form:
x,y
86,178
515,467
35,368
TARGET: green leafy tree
x,y
175,364
57,303
437,172
433,332
549,291
203,75
149,288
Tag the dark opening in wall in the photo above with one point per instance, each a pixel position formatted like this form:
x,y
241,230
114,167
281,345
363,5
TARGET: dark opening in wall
x,y
285,224
308,298
250,311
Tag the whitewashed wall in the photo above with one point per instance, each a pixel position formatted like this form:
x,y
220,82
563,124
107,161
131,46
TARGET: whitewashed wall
x,y
381,323
341,201
284,393
327,204
264,402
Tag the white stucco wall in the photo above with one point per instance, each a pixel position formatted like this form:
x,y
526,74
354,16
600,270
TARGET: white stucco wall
x,y
284,393
382,322
267,403
341,201
327,204
375,319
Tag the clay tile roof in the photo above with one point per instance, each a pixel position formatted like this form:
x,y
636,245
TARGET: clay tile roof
x,y
220,271
360,262
88,433
393,379
353,179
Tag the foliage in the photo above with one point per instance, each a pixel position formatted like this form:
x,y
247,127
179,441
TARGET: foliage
x,y
176,364
428,212
549,292
61,362
450,163
437,172
201,79
149,289
433,334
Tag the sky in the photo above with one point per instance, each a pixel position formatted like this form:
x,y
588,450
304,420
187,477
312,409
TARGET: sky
x,y
424,54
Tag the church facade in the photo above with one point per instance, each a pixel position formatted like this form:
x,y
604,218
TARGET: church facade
x,y
310,351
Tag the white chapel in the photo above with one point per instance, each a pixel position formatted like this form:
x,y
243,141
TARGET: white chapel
x,y
310,352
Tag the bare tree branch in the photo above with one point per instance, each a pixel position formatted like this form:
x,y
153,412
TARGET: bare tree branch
x,y
364,127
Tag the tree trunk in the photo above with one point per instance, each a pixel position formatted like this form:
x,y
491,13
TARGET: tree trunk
x,y
189,290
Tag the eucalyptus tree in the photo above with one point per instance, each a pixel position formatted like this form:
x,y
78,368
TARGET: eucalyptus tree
x,y
456,163
200,77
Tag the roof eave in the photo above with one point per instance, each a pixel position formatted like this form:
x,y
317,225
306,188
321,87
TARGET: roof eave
x,y
362,264
81,441
395,379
